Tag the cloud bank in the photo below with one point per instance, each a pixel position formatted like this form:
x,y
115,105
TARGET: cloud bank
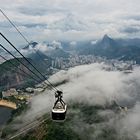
x,y
94,85
42,47
71,20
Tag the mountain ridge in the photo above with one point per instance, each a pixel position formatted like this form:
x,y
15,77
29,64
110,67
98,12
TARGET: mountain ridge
x,y
112,49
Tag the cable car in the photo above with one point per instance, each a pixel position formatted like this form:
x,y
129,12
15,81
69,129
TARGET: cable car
x,y
60,108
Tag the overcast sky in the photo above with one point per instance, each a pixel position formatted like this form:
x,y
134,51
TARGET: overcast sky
x,y
47,20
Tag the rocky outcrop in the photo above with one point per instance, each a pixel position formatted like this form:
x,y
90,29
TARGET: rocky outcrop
x,y
12,76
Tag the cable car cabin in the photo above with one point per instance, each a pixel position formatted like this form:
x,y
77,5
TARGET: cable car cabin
x,y
59,112
59,109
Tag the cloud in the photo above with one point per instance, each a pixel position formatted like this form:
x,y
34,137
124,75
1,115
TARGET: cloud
x,y
91,19
70,22
131,30
99,85
124,123
94,85
32,11
133,17
35,25
42,47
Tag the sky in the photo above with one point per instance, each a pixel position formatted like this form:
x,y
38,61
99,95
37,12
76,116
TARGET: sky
x,y
70,20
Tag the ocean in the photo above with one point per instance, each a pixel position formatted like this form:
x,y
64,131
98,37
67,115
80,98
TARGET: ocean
x,y
5,114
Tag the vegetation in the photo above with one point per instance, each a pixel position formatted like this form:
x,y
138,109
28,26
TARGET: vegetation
x,y
64,130
59,131
83,122
10,72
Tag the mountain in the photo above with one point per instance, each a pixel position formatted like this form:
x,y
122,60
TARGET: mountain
x,y
106,43
38,57
106,47
31,44
122,49
47,51
127,42
57,52
12,75
41,61
112,49
103,47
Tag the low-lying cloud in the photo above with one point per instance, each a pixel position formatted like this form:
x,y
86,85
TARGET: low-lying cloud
x,y
94,85
42,47
131,29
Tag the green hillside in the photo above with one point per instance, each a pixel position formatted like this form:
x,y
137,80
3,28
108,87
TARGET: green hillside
x,y
83,122
12,76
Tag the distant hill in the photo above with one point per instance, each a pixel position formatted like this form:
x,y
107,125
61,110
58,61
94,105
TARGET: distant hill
x,y
57,52
128,42
112,49
122,49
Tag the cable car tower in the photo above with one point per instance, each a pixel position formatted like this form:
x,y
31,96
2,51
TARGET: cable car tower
x,y
60,107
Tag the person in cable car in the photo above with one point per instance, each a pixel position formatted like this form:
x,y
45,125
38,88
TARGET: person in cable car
x,y
60,107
